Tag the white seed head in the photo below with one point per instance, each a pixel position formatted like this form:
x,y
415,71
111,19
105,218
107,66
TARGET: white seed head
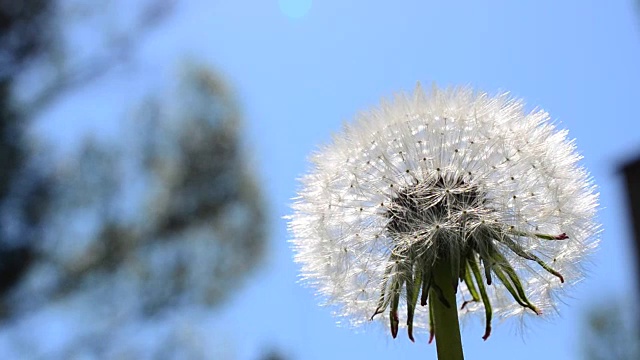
x,y
451,172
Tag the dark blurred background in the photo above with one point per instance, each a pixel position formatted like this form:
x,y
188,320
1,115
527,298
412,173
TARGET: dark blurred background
x,y
139,235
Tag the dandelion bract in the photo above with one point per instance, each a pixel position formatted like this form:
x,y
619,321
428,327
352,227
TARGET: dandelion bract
x,y
451,174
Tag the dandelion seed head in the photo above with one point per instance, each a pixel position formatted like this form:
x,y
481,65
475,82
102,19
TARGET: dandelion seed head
x,y
452,173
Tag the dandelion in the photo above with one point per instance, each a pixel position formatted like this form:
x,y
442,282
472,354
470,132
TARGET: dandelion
x,y
440,205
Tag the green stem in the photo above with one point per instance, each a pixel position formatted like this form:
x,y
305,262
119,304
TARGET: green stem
x,y
447,328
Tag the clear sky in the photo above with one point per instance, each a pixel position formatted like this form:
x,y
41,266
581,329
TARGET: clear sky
x,y
300,69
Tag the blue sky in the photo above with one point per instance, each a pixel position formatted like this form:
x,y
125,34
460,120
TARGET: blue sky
x,y
300,74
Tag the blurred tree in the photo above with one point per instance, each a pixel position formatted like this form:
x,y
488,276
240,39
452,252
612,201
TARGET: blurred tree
x,y
21,40
610,333
32,41
122,250
273,355
23,34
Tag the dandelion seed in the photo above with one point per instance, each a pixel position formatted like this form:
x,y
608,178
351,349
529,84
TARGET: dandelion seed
x,y
451,182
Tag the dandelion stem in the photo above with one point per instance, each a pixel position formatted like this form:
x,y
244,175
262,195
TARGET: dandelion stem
x,y
445,314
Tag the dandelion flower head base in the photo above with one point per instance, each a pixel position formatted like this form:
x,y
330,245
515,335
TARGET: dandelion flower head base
x,y
455,177
439,220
